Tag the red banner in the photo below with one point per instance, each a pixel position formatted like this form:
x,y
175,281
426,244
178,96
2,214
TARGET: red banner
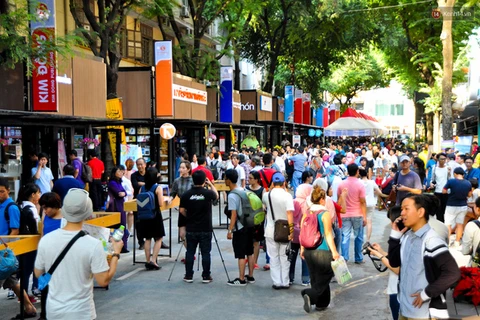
x,y
44,76
298,106
306,108
325,117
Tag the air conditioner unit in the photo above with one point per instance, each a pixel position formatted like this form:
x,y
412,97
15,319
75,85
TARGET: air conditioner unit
x,y
184,12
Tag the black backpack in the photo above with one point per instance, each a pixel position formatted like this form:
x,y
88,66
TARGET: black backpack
x,y
28,224
86,173
213,168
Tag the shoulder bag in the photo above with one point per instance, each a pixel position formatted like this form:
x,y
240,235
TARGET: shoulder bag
x,y
282,230
8,262
45,278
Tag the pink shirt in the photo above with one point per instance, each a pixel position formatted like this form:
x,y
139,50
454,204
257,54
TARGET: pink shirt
x,y
356,191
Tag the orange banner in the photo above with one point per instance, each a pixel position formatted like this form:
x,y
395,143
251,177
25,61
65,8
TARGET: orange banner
x,y
114,111
163,79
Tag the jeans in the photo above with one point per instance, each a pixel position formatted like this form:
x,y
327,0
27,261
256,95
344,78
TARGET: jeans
x,y
296,181
305,275
355,223
394,306
204,239
338,238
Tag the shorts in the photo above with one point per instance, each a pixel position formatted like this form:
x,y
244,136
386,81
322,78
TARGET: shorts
x,y
454,215
242,243
8,283
370,212
259,233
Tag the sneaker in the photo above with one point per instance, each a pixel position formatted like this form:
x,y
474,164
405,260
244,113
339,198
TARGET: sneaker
x,y
188,279
266,267
250,279
306,303
36,292
305,283
10,294
237,283
141,247
207,279
256,267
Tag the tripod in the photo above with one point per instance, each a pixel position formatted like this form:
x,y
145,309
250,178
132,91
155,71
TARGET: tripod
x,y
219,251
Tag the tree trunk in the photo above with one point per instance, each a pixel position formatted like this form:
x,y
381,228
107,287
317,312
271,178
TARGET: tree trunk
x,y
236,75
429,127
268,85
446,36
112,76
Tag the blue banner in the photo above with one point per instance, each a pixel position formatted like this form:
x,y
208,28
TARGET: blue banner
x,y
319,116
288,115
226,94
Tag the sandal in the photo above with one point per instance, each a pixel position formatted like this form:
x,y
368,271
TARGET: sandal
x,y
26,315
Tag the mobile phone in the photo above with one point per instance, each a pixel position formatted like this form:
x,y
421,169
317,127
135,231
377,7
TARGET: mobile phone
x,y
400,225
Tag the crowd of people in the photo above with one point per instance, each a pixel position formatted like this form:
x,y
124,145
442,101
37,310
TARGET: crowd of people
x,y
342,183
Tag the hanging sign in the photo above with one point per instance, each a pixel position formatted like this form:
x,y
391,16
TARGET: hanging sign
x,y
167,131
163,79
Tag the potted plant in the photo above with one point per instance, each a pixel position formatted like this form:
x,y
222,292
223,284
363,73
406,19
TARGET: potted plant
x,y
468,288
90,143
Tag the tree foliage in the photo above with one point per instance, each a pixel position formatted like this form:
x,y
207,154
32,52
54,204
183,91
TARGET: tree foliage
x,y
104,34
360,72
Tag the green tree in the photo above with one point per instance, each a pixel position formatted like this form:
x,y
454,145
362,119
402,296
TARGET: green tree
x,y
360,72
15,40
104,35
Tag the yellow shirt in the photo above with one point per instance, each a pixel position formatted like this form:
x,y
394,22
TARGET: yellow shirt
x,y
424,156
476,163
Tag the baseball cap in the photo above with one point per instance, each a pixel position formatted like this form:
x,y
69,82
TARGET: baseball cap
x,y
278,177
451,156
459,170
77,206
404,157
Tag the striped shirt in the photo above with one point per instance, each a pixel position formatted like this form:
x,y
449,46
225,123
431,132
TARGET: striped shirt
x,y
181,185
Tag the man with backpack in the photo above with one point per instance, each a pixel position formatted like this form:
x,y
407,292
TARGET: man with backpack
x,y
196,206
267,172
78,165
11,226
241,235
202,165
214,165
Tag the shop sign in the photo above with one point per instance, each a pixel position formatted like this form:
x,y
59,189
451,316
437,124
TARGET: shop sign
x,y
189,94
44,75
237,105
266,103
248,106
163,79
296,140
167,131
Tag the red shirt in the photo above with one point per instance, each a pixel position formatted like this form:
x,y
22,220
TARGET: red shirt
x,y
268,174
207,171
97,168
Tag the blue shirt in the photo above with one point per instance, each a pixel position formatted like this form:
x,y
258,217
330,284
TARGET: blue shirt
x,y
298,162
14,215
50,224
62,186
474,173
77,164
45,177
459,189
412,274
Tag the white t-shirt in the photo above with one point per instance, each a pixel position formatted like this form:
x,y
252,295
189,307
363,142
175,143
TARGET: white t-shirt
x,y
370,187
392,287
71,287
241,175
440,176
335,183
282,202
280,163
471,238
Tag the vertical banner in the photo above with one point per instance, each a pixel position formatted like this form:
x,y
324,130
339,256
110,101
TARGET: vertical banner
x,y
62,157
298,106
332,113
226,94
306,108
337,112
325,117
319,116
114,111
44,74
288,106
163,79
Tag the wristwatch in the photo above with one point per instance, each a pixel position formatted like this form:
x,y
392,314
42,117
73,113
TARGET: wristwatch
x,y
230,231
116,255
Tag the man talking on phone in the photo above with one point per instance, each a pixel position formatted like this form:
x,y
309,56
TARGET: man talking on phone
x,y
408,181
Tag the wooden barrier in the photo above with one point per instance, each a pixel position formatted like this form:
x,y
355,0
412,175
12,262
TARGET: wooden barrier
x,y
24,244
221,186
131,205
105,219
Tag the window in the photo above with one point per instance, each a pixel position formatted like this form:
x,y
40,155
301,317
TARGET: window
x,y
384,109
140,44
358,106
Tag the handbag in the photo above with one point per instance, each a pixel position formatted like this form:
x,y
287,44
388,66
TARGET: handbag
x,y
8,262
45,278
281,230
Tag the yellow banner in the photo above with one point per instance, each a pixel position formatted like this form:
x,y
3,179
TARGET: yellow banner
x,y
115,112
232,133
